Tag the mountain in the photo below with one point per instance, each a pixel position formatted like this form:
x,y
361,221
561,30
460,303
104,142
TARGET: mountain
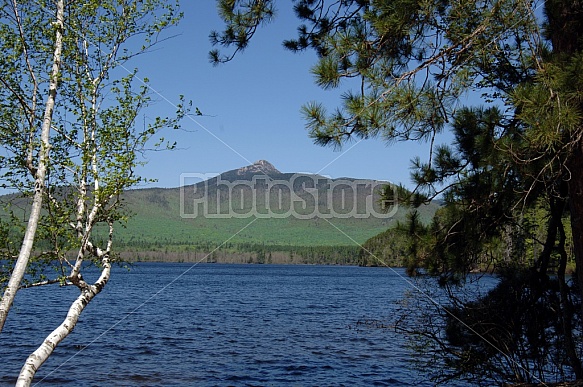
x,y
257,212
258,204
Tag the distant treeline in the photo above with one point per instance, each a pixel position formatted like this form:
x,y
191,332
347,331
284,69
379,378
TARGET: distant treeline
x,y
385,249
377,251
245,253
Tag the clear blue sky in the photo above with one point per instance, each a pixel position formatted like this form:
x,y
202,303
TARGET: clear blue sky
x,y
253,105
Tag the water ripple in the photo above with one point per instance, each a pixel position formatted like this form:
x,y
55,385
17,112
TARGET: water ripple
x,y
220,325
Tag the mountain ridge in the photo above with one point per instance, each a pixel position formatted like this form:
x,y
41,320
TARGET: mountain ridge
x,y
163,219
154,207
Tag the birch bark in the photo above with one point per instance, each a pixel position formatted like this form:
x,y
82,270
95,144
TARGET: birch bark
x,y
38,357
39,172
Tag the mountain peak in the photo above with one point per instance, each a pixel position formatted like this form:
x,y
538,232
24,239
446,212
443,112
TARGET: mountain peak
x,y
260,167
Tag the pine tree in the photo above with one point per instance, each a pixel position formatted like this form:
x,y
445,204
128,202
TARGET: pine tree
x,y
520,149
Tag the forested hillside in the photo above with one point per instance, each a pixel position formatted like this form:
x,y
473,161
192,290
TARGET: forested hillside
x,y
161,223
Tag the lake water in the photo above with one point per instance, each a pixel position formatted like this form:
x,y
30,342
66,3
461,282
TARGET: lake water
x,y
164,324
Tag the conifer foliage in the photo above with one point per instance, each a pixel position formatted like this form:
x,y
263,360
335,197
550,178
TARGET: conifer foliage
x,y
515,162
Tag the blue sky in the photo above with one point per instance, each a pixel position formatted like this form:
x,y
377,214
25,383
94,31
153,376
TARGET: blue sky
x,y
253,107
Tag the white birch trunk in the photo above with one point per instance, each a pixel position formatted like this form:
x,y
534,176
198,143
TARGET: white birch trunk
x,y
28,240
38,357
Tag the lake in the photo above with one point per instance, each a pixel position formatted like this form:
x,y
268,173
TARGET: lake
x,y
172,324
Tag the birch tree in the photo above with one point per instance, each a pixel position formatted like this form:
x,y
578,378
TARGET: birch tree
x,y
93,99
27,106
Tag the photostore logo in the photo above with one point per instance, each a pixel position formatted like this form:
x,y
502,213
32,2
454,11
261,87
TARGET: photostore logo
x,y
301,196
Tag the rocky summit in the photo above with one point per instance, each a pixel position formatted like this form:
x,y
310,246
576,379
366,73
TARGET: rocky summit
x,y
257,168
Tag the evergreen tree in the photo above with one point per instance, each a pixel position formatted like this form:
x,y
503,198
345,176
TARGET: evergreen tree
x,y
520,149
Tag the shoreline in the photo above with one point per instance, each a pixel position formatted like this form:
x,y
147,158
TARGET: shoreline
x,y
221,256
